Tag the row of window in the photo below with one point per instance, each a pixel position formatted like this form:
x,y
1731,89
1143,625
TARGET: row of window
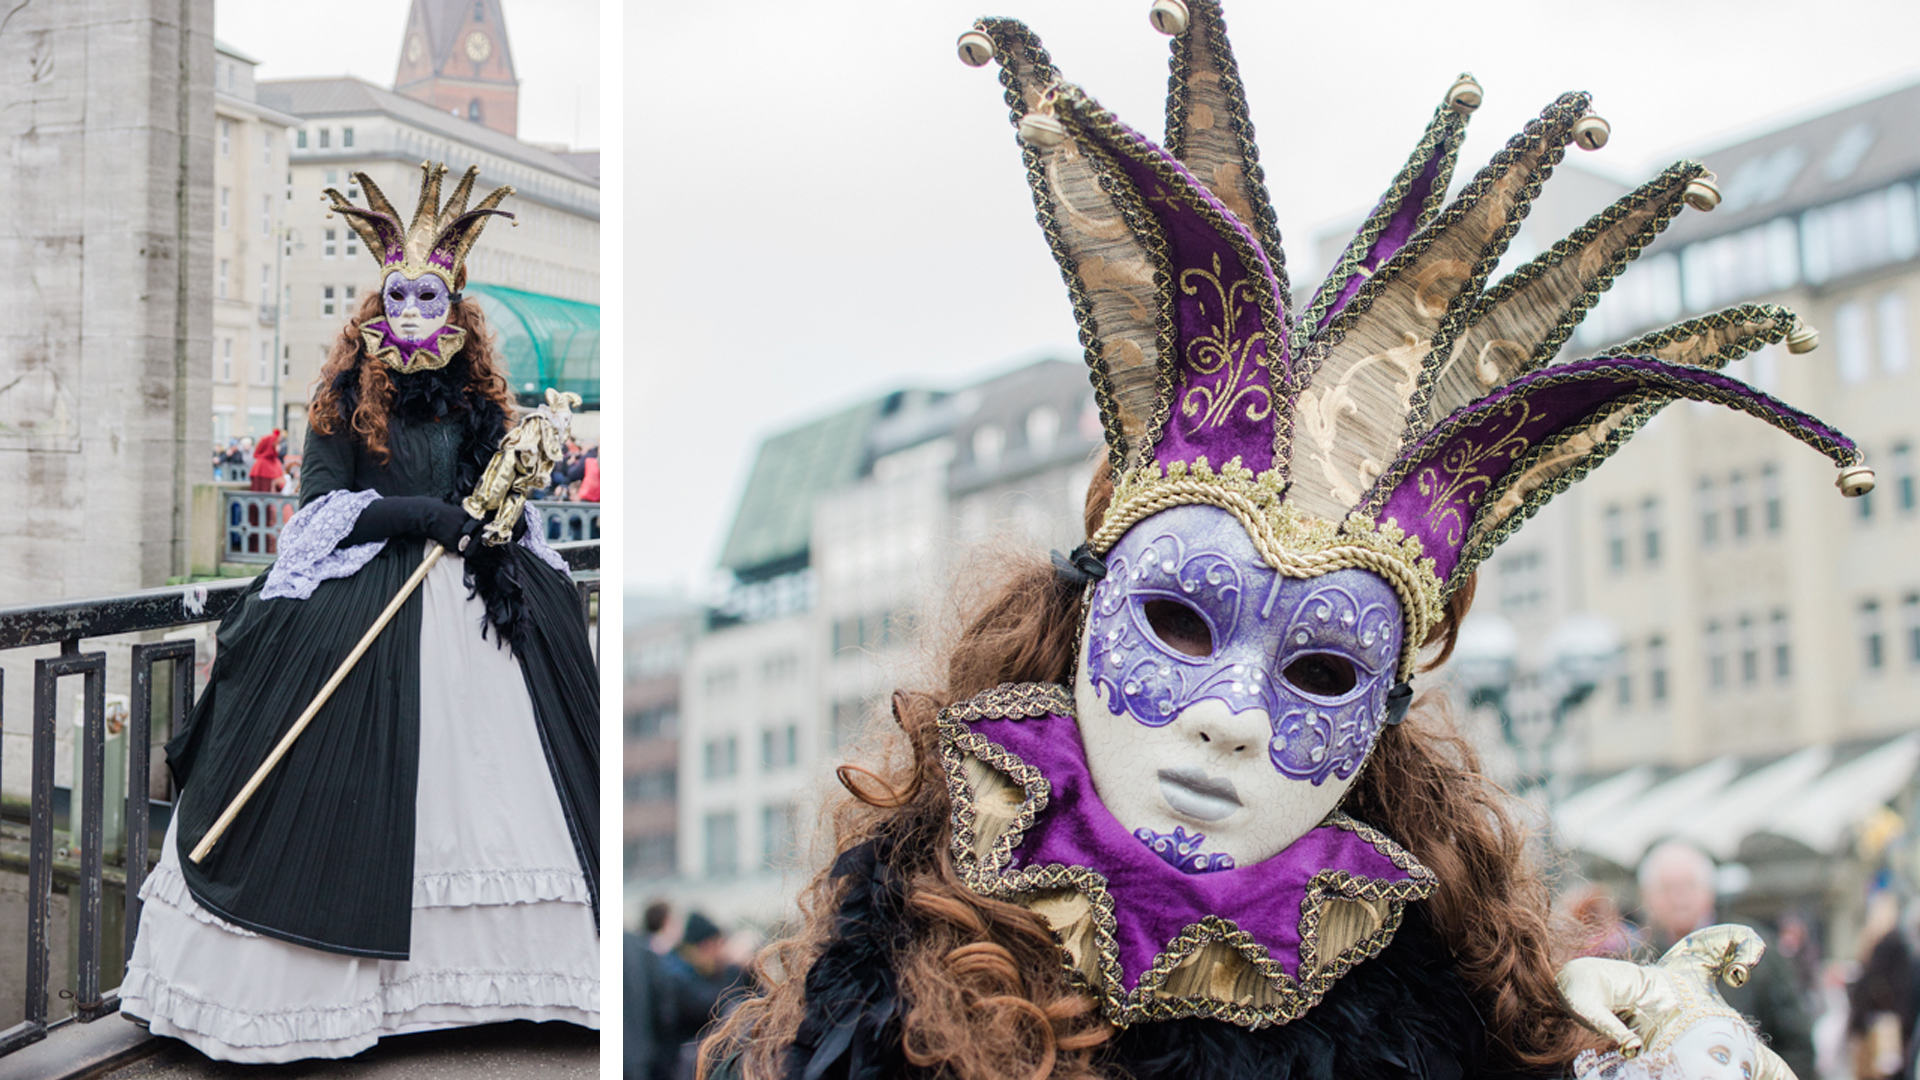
x,y
872,630
223,371
774,669
324,138
779,831
1881,646
226,142
661,720
779,749
654,785
225,207
1894,489
225,287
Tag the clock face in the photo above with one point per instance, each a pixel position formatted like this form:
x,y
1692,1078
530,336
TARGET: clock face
x,y
414,49
478,47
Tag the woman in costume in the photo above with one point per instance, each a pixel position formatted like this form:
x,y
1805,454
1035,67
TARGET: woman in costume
x,y
1170,814
425,855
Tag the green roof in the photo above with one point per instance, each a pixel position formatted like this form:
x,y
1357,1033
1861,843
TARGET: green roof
x,y
545,341
772,532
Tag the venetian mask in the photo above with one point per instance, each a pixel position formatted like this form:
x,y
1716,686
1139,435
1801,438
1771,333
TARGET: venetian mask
x,y
1226,708
416,307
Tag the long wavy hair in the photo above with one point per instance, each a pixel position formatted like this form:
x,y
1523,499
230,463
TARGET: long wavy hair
x,y
984,994
357,393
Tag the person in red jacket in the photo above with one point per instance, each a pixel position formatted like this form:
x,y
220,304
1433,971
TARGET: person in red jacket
x,y
266,472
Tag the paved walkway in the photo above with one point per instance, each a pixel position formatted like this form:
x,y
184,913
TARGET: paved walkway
x,y
493,1052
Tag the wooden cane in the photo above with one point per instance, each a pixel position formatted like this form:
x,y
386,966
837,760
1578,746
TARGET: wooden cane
x,y
434,551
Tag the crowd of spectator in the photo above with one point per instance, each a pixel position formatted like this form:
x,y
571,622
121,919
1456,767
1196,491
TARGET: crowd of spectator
x,y
681,974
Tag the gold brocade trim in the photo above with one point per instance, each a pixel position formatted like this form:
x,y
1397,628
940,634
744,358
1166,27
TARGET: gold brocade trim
x,y
434,354
1292,543
1173,986
1764,324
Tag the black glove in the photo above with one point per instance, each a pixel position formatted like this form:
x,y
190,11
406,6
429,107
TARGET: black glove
x,y
443,522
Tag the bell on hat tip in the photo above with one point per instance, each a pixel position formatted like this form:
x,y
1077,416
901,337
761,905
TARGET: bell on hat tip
x,y
1042,131
1168,16
1590,132
1803,338
1855,481
975,48
1702,193
1465,95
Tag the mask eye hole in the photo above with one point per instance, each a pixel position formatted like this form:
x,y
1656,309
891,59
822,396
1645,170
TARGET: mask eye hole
x,y
1322,674
396,295
1180,627
426,297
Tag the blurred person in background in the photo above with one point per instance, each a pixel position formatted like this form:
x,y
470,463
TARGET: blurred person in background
x,y
590,476
706,980
1602,931
266,471
1880,1001
1677,896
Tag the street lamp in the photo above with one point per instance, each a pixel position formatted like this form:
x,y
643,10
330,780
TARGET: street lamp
x,y
1579,653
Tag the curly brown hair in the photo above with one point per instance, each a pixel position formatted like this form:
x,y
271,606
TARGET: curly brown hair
x,y
373,401
984,992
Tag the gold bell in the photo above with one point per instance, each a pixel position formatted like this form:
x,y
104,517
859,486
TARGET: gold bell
x,y
976,48
1804,338
1855,481
1168,16
1590,132
1702,193
1042,131
1465,95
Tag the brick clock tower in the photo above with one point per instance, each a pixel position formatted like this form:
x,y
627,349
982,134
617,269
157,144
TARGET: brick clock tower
x,y
455,57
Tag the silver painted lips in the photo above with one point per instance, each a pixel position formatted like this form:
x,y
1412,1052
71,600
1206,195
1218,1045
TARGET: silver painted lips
x,y
1192,792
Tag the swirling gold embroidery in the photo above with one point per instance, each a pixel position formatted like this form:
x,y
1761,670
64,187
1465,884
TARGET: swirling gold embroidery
x,y
1447,481
1218,350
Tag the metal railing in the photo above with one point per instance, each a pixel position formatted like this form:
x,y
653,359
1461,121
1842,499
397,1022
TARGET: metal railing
x,y
253,520
67,624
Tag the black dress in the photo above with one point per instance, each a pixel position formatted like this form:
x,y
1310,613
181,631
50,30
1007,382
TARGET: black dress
x,y
401,826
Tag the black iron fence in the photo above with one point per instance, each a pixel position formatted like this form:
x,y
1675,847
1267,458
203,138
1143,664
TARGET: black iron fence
x,y
252,521
67,625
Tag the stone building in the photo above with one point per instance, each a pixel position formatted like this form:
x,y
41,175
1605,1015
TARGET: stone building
x,y
844,554
249,210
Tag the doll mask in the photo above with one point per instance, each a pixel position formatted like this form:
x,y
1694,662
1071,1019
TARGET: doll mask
x,y
1226,708
416,307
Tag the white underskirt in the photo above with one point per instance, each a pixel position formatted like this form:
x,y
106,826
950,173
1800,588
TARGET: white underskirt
x,y
502,921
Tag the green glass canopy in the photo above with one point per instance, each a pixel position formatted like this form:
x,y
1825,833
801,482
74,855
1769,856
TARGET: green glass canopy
x,y
545,341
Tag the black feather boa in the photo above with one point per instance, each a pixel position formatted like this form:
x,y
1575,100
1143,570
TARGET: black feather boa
x,y
443,395
1403,1014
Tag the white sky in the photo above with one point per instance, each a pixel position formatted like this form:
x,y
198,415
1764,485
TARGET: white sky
x,y
554,43
825,203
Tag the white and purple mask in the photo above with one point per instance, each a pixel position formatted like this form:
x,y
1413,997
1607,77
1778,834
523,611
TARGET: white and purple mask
x,y
1226,708
417,308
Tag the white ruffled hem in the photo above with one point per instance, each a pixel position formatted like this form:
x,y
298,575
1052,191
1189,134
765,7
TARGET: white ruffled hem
x,y
470,888
164,885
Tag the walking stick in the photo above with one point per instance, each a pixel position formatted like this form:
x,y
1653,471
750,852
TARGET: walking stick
x,y
526,457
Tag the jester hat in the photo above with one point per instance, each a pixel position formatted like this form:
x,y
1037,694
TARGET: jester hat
x,y
1409,418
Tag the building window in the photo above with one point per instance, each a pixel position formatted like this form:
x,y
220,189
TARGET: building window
x,y
1850,335
652,856
1895,342
266,215
1749,652
723,757
650,723
1716,642
353,243
1656,668
1742,514
266,283
1623,679
1863,508
346,137
226,138
722,681
220,283
780,747
266,148
263,372
1650,530
1709,504
777,829
657,786
329,243
1782,646
1615,529
226,359
1772,511
723,845
1902,492
326,137
473,110
1873,644
300,141
849,716
1910,610
326,299
349,294
479,10
226,213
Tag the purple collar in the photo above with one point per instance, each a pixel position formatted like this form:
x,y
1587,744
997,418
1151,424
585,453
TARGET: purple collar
x,y
1253,945
409,356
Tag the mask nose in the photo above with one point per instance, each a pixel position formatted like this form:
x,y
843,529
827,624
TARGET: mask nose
x,y
1226,735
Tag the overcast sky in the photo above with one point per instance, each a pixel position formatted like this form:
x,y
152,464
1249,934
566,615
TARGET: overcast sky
x,y
553,43
825,203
